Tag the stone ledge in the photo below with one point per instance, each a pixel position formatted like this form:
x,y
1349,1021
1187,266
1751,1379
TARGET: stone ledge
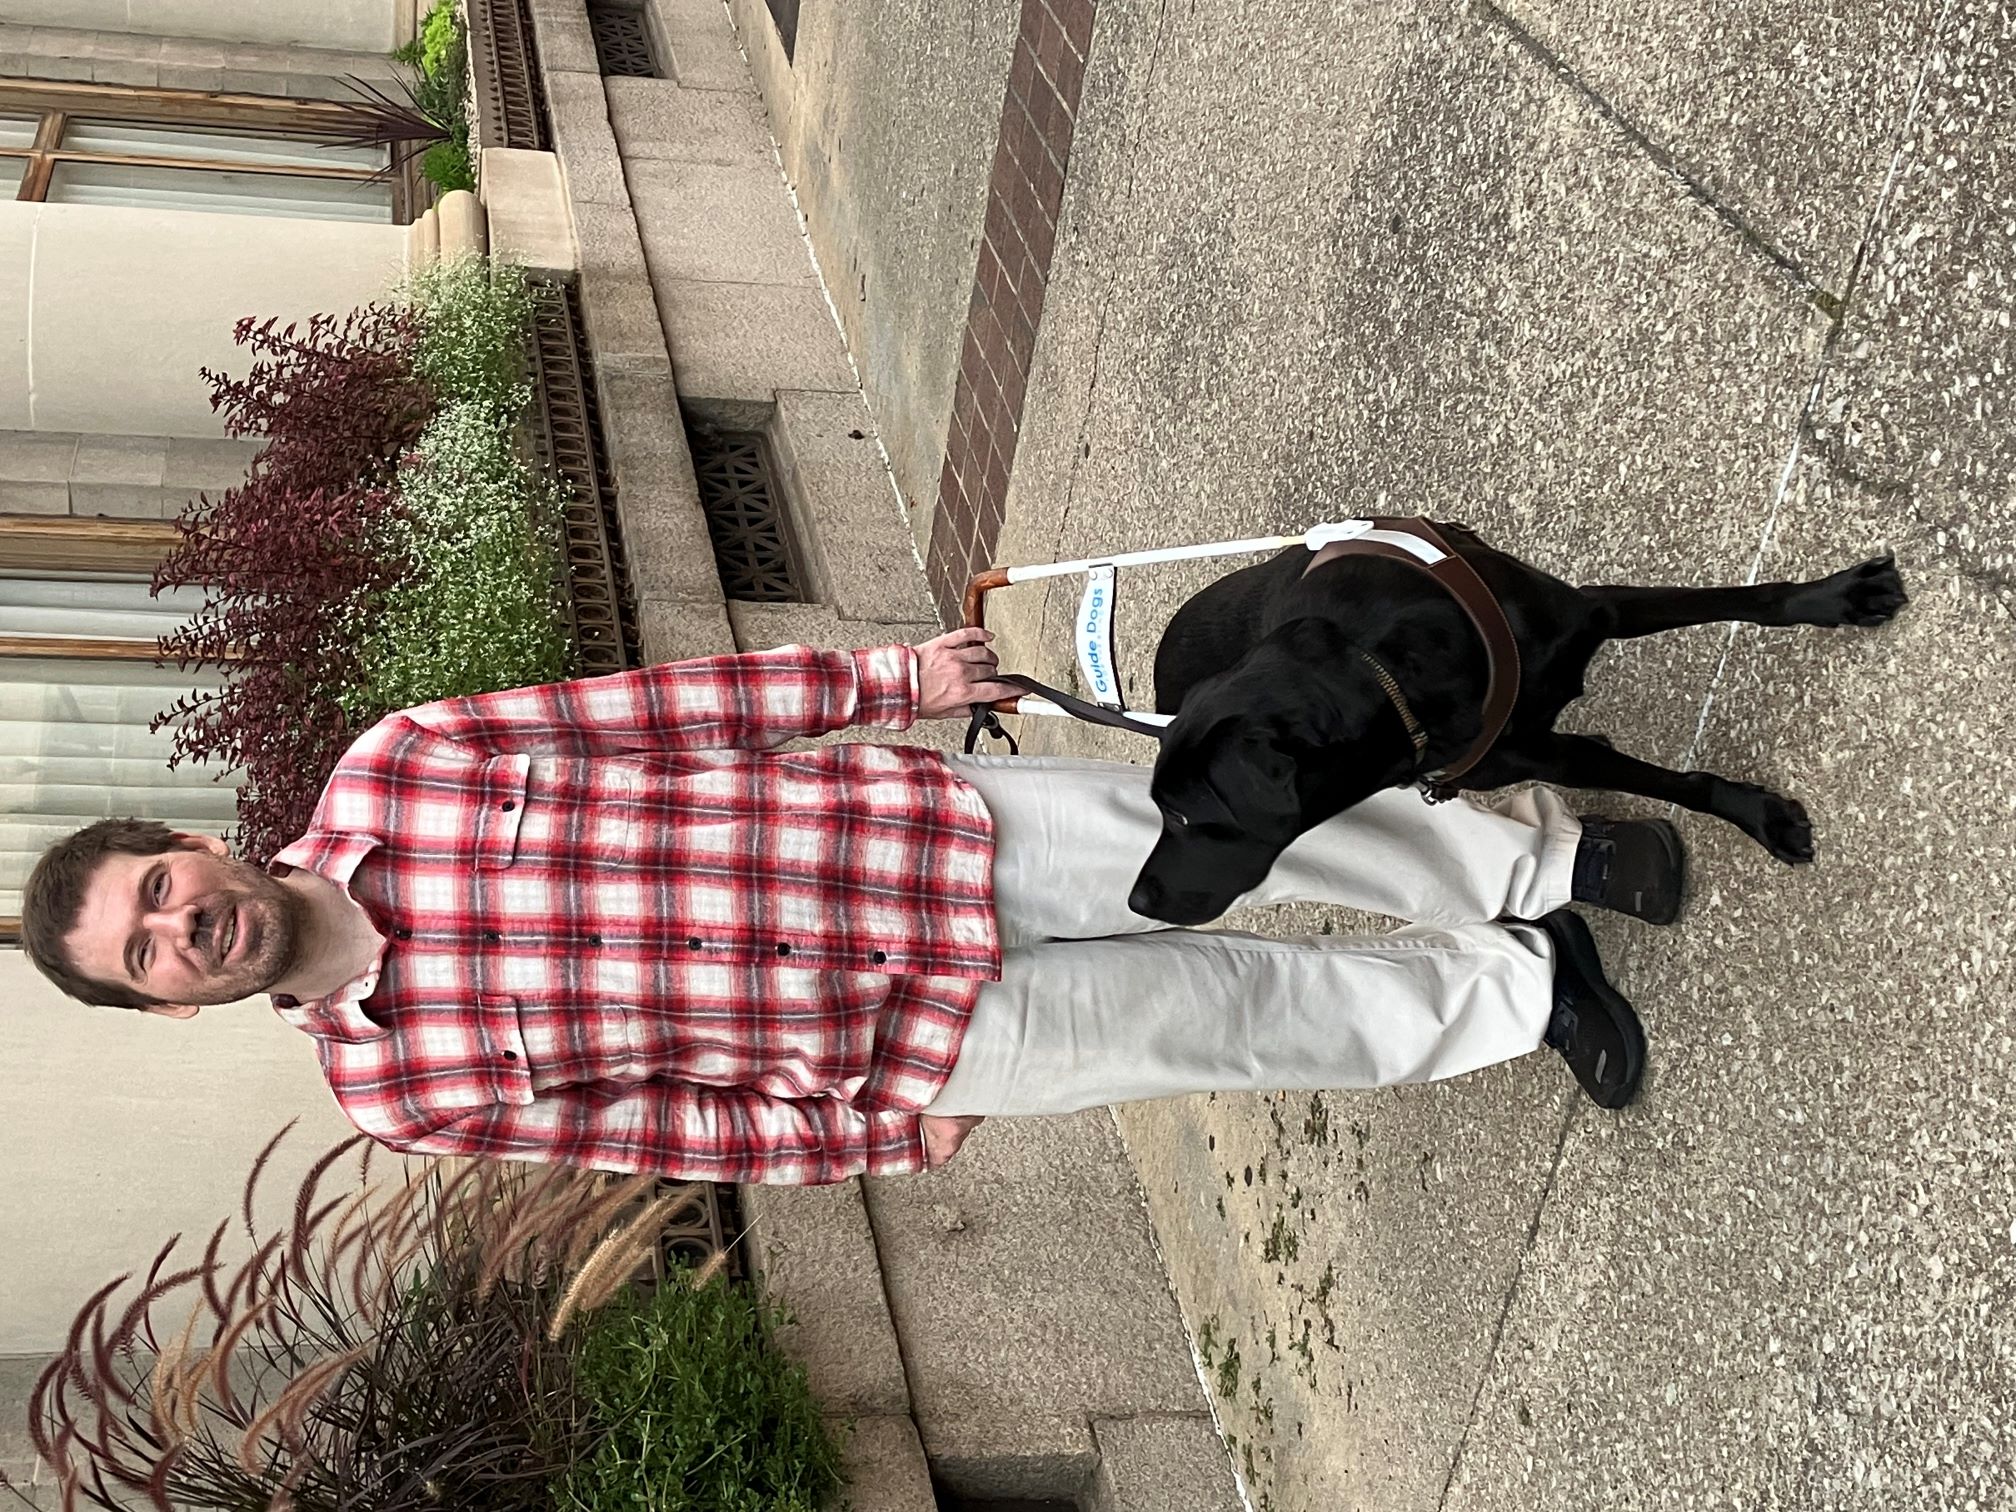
x,y
565,40
698,47
886,1469
1158,1461
759,627
679,630
815,1255
863,558
531,222
465,230
740,341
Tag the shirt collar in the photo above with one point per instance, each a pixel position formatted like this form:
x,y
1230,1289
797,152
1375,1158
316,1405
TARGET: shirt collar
x,y
340,1015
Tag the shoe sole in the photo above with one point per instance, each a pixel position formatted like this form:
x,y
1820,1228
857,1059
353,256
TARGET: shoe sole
x,y
1574,944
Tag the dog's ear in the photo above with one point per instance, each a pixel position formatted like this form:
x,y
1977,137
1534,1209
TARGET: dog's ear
x,y
1253,775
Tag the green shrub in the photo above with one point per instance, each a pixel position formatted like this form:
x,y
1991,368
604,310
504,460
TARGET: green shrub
x,y
481,608
447,167
440,34
474,316
698,1412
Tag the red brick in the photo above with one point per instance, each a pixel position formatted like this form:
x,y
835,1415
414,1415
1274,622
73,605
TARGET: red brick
x,y
1013,262
1058,128
995,485
1021,339
1057,62
1000,223
972,361
1022,73
1027,138
987,524
1049,197
1075,17
1039,239
1014,387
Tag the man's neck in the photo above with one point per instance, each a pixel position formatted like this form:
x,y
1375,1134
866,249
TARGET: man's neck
x,y
339,941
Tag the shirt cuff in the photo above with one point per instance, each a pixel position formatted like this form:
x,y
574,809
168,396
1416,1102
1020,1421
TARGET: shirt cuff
x,y
887,689
895,1144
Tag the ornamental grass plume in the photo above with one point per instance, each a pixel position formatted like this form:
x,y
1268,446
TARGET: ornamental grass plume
x,y
388,1348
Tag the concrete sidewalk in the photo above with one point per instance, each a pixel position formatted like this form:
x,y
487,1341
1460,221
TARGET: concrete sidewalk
x,y
1689,292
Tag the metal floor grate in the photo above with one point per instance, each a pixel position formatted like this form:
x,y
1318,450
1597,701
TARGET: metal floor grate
x,y
510,96
566,431
753,549
622,41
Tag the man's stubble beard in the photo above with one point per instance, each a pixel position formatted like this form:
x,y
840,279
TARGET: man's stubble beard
x,y
279,917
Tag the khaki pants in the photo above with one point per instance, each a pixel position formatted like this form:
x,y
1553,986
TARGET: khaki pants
x,y
1097,1004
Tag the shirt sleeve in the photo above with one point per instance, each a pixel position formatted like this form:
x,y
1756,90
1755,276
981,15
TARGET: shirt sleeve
x,y
751,701
690,1133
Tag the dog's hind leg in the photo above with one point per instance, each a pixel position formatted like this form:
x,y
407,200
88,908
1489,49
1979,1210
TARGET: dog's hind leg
x,y
1776,822
1868,594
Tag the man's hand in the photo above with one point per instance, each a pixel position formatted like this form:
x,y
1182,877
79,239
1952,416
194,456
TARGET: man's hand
x,y
956,671
943,1136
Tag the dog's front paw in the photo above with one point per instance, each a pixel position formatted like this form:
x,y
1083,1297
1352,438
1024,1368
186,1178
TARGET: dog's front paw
x,y
1776,822
1869,594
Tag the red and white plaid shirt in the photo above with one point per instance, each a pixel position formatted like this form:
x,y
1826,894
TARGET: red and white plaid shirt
x,y
621,932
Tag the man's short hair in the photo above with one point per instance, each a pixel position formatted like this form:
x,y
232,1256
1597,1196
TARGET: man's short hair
x,y
54,897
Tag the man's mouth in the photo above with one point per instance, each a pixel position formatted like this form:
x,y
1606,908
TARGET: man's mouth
x,y
227,936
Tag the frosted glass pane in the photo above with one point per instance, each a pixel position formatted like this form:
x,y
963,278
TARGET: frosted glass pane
x,y
11,170
220,191
56,606
210,143
18,131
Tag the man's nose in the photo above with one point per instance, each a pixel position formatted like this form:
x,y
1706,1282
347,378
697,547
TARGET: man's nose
x,y
177,924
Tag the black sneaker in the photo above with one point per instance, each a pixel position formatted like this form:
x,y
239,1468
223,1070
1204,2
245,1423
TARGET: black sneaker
x,y
1631,866
1592,1028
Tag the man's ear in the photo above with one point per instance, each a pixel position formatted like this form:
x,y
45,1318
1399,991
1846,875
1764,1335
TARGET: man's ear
x,y
174,1010
208,843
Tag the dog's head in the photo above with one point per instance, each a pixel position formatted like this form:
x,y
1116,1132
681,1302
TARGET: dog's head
x,y
1289,737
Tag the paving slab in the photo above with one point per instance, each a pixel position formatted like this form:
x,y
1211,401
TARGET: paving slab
x,y
1784,118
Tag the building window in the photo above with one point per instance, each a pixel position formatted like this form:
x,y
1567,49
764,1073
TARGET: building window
x,y
101,144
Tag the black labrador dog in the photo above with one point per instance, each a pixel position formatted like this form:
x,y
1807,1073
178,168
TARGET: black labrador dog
x,y
1280,724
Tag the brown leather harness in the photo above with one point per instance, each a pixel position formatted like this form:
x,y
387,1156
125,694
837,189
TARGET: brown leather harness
x,y
1451,572
1461,581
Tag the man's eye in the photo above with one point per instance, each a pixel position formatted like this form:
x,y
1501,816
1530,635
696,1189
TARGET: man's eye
x,y
146,956
160,888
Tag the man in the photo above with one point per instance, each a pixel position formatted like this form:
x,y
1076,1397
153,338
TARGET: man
x,y
604,922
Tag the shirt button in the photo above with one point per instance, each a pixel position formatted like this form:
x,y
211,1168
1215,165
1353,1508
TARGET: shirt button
x,y
694,943
878,956
508,804
783,949
402,934
510,1055
491,934
594,939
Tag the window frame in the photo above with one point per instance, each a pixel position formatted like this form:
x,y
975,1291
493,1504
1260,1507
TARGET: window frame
x,y
49,543
54,102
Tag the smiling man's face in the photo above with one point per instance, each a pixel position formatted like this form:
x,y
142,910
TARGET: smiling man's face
x,y
189,926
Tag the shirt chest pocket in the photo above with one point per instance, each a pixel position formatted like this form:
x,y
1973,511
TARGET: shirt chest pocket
x,y
500,813
587,812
